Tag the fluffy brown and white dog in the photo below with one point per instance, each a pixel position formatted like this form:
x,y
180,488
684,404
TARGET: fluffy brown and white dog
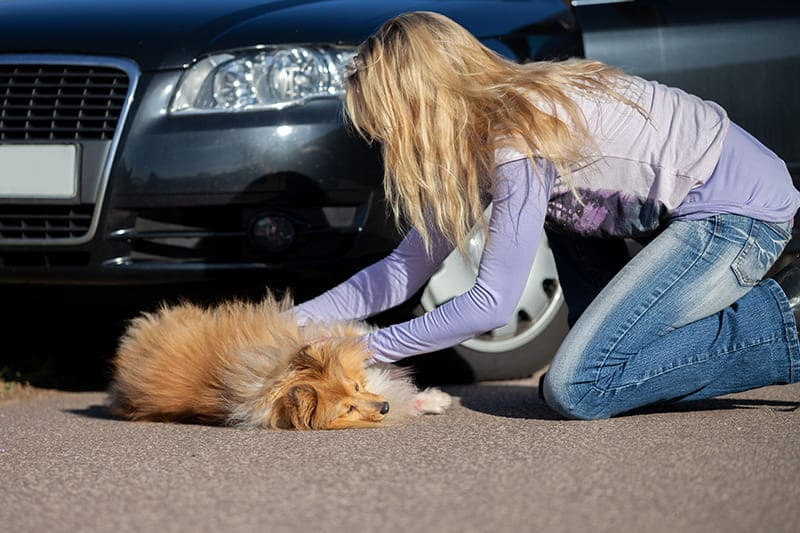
x,y
252,365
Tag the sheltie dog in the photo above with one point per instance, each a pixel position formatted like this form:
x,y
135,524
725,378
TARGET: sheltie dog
x,y
251,365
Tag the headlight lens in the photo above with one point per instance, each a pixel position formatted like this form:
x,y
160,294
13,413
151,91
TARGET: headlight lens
x,y
266,78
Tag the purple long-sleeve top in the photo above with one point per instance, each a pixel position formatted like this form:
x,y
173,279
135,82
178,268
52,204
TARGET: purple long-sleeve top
x,y
518,213
649,171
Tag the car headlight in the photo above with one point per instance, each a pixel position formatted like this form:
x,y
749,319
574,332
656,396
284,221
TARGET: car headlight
x,y
270,77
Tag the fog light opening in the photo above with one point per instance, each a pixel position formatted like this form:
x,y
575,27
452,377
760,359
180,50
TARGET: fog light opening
x,y
272,233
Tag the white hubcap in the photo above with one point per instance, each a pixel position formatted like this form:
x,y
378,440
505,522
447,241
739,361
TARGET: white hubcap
x,y
537,306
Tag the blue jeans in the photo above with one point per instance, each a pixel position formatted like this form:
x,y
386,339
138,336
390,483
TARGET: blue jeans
x,y
687,318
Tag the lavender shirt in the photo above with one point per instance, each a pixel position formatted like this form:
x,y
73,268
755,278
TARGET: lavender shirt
x,y
748,179
518,214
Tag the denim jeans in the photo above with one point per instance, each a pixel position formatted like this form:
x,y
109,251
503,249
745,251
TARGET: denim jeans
x,y
689,317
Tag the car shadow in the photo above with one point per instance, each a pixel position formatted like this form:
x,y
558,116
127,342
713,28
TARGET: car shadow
x,y
513,401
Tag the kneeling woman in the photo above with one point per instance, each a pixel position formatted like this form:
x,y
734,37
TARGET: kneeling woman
x,y
581,149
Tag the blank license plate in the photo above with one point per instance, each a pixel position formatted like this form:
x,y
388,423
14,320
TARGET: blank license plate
x,y
38,171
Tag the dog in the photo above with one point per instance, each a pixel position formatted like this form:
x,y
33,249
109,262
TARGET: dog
x,y
251,365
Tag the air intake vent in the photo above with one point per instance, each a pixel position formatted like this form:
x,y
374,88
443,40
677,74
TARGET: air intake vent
x,y
44,222
60,102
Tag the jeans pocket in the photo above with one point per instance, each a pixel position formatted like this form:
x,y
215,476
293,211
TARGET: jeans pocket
x,y
762,249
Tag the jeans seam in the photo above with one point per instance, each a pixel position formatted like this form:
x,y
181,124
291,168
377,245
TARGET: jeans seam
x,y
749,247
735,349
595,385
727,351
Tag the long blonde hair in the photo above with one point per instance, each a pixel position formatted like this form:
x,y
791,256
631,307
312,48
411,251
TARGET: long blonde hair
x,y
440,103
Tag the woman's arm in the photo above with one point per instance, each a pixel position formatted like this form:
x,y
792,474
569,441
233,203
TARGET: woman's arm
x,y
520,204
380,286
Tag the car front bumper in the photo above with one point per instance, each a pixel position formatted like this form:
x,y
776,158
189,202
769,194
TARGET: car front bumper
x,y
180,196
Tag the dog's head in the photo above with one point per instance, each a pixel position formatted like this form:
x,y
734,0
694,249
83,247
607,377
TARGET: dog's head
x,y
325,389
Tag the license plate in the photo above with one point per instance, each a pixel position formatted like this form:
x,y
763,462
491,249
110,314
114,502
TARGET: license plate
x,y
38,171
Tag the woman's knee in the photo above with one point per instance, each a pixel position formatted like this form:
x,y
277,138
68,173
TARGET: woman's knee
x,y
577,401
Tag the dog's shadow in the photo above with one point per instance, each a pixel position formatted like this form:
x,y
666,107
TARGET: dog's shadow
x,y
99,412
103,412
514,401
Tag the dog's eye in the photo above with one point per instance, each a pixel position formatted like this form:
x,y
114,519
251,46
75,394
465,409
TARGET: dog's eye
x,y
358,388
351,409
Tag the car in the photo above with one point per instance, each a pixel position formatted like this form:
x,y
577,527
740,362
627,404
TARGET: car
x,y
161,141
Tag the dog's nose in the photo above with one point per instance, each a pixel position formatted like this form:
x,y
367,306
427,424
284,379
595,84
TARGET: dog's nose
x,y
384,408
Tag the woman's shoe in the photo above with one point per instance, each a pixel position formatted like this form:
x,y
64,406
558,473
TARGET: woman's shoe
x,y
789,280
541,387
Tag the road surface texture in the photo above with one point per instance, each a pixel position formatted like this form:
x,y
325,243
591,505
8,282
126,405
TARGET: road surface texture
x,y
498,461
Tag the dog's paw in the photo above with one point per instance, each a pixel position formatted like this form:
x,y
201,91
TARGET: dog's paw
x,y
431,401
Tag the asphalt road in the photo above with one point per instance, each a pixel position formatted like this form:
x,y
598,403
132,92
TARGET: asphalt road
x,y
498,461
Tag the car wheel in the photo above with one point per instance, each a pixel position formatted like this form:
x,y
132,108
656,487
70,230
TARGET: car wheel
x,y
538,325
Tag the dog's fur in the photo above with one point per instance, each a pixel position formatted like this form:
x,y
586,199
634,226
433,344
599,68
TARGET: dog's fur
x,y
252,365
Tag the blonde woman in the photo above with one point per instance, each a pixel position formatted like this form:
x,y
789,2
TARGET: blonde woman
x,y
587,151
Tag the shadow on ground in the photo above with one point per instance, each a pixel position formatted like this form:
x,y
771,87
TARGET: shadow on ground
x,y
514,401
522,402
99,411
719,404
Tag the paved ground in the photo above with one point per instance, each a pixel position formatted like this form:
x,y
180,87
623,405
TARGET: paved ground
x,y
499,461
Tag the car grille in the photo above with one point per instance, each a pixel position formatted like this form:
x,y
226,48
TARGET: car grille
x,y
52,99
60,102
44,221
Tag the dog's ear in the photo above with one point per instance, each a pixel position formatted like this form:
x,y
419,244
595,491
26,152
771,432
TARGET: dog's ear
x,y
307,358
296,409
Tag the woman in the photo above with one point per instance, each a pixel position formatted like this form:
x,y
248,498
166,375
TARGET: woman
x,y
582,149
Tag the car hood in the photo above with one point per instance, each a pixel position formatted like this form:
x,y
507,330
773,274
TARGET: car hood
x,y
164,34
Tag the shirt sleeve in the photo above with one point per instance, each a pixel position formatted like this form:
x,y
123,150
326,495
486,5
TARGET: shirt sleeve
x,y
515,227
381,286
